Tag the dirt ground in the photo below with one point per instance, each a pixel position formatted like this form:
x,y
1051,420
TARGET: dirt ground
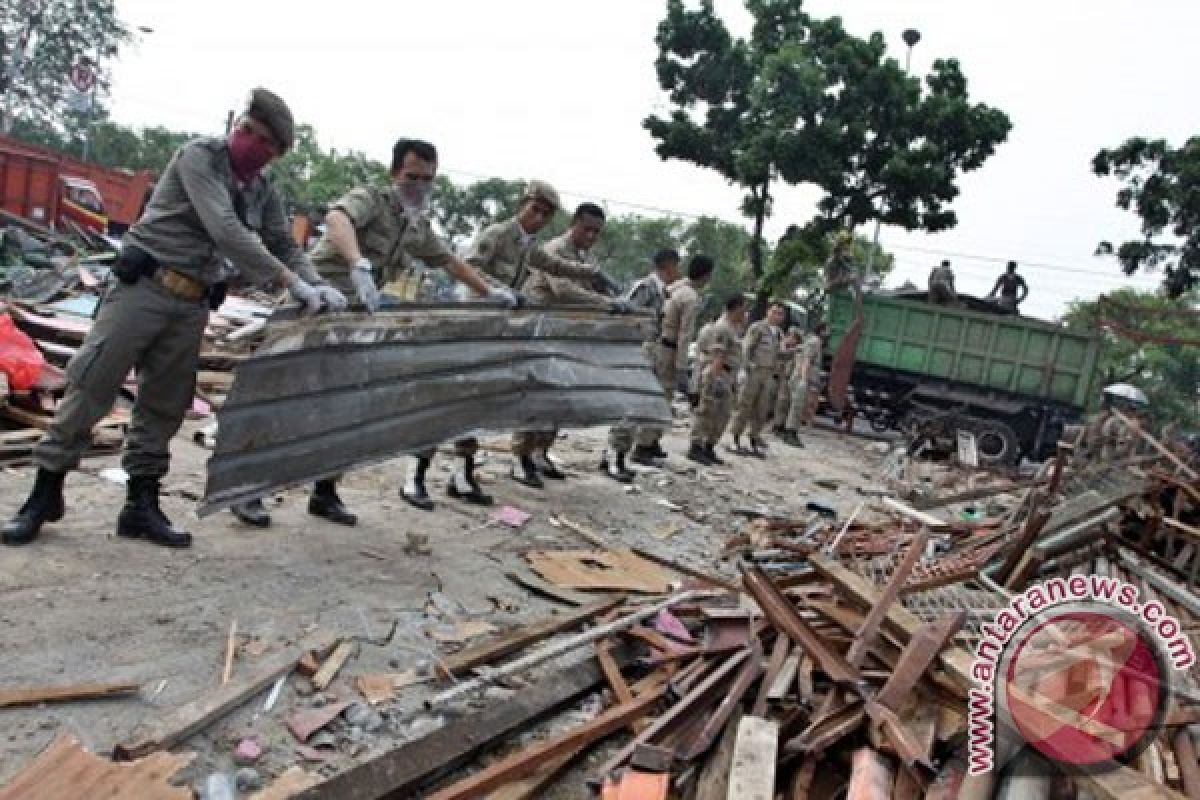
x,y
80,605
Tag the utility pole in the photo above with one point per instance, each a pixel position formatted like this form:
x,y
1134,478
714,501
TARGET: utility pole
x,y
910,36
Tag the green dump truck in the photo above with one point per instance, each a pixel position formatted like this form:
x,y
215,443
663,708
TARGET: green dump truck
x,y
935,370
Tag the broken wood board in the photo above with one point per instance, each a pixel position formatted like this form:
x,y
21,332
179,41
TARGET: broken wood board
x,y
333,665
526,761
530,788
752,775
381,687
525,578
56,694
713,783
294,779
493,649
65,771
407,769
613,570
176,726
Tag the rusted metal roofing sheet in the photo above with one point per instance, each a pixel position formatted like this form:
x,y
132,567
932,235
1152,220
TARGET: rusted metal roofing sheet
x,y
328,393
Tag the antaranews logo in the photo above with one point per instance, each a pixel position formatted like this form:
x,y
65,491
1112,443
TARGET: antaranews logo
x,y
1079,669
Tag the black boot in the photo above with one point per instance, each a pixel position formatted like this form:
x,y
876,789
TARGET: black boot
x,y
141,518
616,469
45,504
414,489
525,471
656,451
324,502
790,437
737,447
698,454
463,485
546,468
711,452
252,513
644,455
758,448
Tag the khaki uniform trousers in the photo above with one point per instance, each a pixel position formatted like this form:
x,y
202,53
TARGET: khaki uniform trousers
x,y
753,401
624,436
140,327
710,420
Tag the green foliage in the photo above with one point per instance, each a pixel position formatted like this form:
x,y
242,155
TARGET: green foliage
x,y
1169,374
796,267
112,144
41,40
630,241
462,211
310,177
805,102
1162,186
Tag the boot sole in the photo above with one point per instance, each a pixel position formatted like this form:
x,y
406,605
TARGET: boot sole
x,y
138,534
474,500
349,522
423,505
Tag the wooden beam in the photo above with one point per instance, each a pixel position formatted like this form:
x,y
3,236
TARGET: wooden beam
x,y
1157,445
333,665
528,760
34,695
183,722
783,646
402,772
691,572
752,776
714,776
498,647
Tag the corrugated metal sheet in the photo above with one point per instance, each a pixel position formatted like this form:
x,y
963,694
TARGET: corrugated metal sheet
x,y
328,393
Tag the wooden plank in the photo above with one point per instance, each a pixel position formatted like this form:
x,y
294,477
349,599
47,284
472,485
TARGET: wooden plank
x,y
496,648
530,788
526,761
928,520
525,578
691,572
612,674
230,647
402,772
956,661
714,777
183,722
293,780
1157,445
752,775
783,646
615,570
333,665
65,771
56,694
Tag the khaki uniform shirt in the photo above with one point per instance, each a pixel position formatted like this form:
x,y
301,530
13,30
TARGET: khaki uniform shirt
x,y
543,288
385,235
199,214
679,318
506,256
762,345
720,331
649,294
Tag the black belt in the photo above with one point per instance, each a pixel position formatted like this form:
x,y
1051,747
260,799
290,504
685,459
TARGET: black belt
x,y
669,343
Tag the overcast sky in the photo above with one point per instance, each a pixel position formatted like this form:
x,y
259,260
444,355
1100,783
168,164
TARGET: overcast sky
x,y
557,89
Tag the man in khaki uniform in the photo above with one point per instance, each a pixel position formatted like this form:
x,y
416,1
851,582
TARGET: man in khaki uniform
x,y
725,335
806,361
211,203
760,352
714,392
543,289
648,294
369,234
783,378
678,327
508,253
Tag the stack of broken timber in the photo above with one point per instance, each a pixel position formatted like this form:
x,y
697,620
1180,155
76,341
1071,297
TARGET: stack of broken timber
x,y
58,329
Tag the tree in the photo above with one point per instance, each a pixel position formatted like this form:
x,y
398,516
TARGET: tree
x,y
40,41
462,211
797,263
1162,186
1169,373
630,241
804,102
309,177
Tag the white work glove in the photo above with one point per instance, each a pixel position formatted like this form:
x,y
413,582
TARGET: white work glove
x,y
506,297
364,284
306,294
332,299
742,377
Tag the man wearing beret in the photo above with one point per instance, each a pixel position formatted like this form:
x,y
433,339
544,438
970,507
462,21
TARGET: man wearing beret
x,y
370,233
509,254
212,202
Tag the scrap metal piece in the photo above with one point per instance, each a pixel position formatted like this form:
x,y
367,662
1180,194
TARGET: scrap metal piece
x,y
328,393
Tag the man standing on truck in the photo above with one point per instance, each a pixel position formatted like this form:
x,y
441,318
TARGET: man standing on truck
x,y
941,285
212,202
760,356
1012,288
508,253
370,234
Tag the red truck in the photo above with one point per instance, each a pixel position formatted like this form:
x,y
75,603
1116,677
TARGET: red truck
x,y
51,188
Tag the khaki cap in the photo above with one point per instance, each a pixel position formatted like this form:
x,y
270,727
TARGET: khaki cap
x,y
269,109
540,190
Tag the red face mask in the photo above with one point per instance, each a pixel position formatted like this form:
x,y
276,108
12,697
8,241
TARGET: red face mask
x,y
248,154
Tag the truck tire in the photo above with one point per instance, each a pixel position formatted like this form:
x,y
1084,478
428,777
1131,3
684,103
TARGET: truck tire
x,y
996,442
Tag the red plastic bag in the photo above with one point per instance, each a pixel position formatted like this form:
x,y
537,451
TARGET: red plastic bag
x,y
20,358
